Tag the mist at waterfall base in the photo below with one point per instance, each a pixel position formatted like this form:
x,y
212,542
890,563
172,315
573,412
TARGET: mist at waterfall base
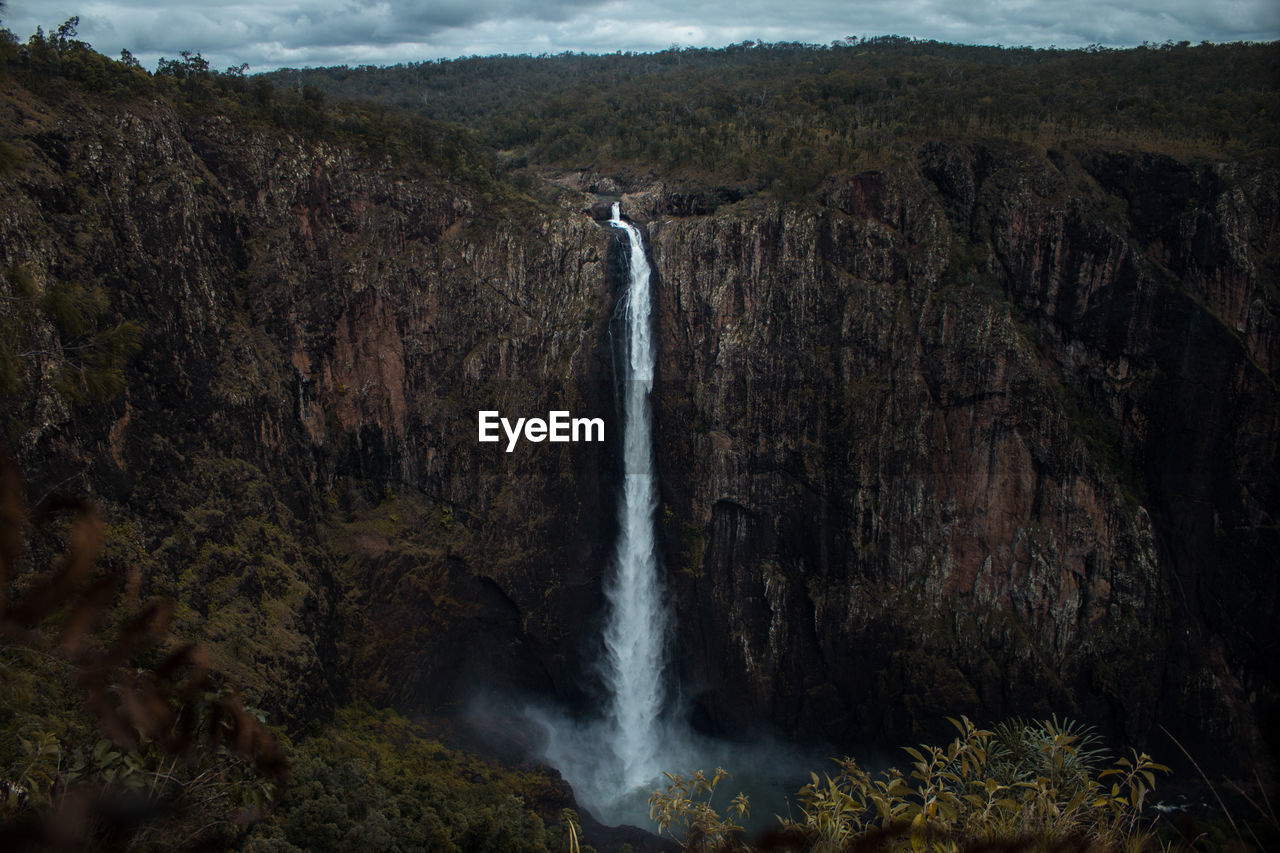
x,y
614,761
769,771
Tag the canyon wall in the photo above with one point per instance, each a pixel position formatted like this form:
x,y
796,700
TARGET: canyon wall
x,y
295,456
990,433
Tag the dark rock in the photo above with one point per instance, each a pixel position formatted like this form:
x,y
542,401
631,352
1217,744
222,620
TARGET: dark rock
x,y
992,434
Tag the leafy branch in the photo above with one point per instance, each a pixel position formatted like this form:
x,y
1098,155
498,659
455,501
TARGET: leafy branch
x,y
176,715
686,803
57,330
1020,786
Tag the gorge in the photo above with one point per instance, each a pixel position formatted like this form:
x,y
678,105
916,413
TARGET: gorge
x,y
988,429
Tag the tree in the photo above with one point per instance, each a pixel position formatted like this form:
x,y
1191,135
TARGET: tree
x,y
65,35
190,66
56,332
174,745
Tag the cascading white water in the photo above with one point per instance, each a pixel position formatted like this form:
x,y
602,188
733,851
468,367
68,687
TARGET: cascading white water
x,y
637,621
615,760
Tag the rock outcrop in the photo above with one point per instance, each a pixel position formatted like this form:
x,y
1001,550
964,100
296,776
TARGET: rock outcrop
x,y
992,433
995,435
320,329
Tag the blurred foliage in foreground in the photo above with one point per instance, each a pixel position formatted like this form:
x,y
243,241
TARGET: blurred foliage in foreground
x,y
115,736
112,735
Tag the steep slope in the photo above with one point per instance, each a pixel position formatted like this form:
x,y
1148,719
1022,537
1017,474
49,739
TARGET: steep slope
x,y
320,329
991,435
991,432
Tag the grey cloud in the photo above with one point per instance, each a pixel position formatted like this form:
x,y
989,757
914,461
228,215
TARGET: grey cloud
x,y
270,33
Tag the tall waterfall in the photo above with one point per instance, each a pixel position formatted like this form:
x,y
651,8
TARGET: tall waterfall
x,y
615,759
636,621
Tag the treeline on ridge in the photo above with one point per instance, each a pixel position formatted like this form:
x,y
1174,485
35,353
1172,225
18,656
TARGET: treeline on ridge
x,y
785,115
58,65
772,116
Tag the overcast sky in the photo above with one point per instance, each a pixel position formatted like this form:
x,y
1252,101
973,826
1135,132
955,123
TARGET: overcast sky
x,y
268,34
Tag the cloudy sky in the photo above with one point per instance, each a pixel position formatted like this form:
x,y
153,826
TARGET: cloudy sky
x,y
269,34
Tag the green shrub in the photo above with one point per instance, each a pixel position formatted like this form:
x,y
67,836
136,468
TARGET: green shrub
x,y
1032,785
686,805
374,780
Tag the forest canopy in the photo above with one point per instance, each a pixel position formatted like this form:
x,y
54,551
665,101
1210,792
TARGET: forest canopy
x,y
768,116
764,112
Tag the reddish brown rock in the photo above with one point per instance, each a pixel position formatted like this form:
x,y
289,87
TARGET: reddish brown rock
x,y
992,433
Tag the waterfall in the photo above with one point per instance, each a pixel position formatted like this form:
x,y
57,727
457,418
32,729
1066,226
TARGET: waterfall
x,y
614,760
635,630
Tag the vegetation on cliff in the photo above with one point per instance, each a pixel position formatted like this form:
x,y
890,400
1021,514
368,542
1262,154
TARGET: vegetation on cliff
x,y
57,330
782,116
59,66
373,780
962,371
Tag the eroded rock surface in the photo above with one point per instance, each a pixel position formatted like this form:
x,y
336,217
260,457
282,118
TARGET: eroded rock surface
x,y
992,433
994,436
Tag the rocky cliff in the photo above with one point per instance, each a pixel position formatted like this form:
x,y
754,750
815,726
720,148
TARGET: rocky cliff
x,y
295,455
992,435
989,433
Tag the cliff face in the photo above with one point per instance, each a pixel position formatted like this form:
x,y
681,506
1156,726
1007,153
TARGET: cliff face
x,y
992,434
996,435
295,456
